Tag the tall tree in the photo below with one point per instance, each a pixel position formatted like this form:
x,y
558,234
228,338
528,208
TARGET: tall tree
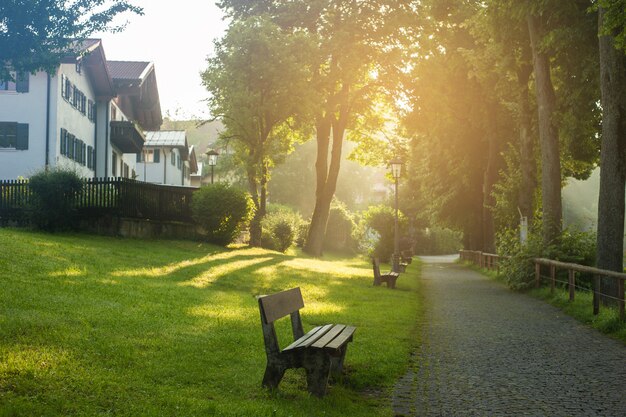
x,y
610,241
258,80
358,45
37,34
548,133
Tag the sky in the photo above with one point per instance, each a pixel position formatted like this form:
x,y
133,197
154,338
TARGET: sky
x,y
177,35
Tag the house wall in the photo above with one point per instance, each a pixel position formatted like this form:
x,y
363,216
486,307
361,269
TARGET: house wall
x,y
27,108
110,160
163,172
66,116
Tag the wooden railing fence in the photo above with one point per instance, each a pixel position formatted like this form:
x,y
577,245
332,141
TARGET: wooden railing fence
x,y
492,261
108,196
572,269
485,260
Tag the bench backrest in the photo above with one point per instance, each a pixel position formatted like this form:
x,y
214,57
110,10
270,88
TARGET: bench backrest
x,y
280,304
275,306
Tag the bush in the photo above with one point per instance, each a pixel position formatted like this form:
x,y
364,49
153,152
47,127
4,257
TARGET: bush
x,y
280,226
340,229
519,269
222,211
379,221
53,200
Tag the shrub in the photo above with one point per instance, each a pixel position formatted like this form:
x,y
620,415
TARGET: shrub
x,y
379,221
53,199
280,227
339,229
222,211
519,269
303,231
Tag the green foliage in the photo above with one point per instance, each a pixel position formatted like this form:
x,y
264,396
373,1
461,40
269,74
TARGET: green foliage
x,y
54,196
519,269
380,222
38,34
438,240
340,228
259,83
223,211
614,21
281,226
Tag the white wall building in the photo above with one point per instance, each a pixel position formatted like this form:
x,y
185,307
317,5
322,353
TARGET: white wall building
x,y
80,117
166,158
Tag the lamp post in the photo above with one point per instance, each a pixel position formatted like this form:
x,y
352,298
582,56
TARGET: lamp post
x,y
212,156
396,170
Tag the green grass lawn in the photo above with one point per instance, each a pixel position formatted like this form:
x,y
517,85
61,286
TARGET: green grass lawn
x,y
103,326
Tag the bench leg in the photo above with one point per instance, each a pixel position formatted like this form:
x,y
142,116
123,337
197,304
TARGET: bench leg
x,y
317,368
392,282
336,364
273,374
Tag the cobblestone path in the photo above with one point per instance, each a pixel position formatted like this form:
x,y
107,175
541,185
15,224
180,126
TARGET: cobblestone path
x,y
487,351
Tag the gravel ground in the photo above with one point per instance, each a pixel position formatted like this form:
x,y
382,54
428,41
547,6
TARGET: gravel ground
x,y
487,351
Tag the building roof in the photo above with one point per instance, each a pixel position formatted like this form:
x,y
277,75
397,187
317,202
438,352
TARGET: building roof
x,y
129,70
91,55
168,139
137,91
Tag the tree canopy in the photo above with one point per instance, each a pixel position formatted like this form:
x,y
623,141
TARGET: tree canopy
x,y
37,34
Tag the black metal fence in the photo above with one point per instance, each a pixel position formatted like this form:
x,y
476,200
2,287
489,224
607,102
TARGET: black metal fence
x,y
121,197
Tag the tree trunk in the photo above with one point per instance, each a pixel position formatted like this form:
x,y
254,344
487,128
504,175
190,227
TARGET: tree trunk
x,y
610,243
548,135
255,223
326,177
490,177
527,157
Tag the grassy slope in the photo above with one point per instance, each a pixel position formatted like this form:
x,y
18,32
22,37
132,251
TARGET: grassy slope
x,y
97,326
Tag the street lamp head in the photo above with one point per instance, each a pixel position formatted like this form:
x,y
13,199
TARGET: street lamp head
x,y
212,156
396,167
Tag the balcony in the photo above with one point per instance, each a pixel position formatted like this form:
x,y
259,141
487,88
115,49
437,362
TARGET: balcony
x,y
126,136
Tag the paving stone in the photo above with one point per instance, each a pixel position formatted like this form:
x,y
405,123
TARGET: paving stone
x,y
488,351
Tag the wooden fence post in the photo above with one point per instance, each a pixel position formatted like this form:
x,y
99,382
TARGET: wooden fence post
x,y
620,289
537,274
596,295
572,284
552,278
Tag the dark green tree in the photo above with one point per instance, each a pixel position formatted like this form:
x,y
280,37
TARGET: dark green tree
x,y
259,82
610,243
36,34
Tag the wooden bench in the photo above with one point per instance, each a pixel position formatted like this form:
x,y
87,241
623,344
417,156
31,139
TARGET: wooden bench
x,y
389,277
406,257
320,352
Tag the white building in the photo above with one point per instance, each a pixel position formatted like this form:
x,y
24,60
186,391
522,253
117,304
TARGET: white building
x,y
166,158
84,117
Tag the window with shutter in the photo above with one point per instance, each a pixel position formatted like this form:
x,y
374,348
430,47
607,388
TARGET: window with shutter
x,y
83,154
63,142
22,137
8,135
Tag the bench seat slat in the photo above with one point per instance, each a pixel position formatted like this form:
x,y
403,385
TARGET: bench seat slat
x,y
330,335
309,338
344,336
309,334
